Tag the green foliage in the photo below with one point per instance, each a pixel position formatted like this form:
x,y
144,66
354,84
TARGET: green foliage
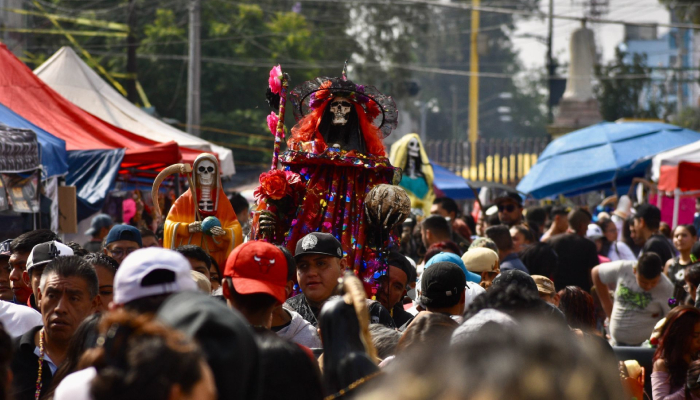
x,y
620,88
686,11
688,118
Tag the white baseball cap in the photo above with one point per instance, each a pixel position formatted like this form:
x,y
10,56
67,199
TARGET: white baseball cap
x,y
152,271
594,232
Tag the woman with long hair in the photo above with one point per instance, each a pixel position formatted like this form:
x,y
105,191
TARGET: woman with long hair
x,y
684,236
612,248
678,347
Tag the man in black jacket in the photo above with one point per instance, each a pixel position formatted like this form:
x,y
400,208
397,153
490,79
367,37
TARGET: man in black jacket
x,y
67,295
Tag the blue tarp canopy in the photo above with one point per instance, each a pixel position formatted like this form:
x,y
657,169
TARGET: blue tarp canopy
x,y
450,184
52,152
601,156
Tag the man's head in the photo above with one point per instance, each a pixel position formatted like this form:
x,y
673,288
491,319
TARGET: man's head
x,y
536,218
148,276
546,290
255,280
100,226
510,208
5,288
67,295
648,271
646,222
435,229
442,288
148,238
240,207
20,248
400,273
445,207
579,220
500,234
320,264
198,258
121,241
42,254
559,217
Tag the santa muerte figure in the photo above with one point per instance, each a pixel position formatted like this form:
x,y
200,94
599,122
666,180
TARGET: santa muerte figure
x,y
334,158
409,154
202,216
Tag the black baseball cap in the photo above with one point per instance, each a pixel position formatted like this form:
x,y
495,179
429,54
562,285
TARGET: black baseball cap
x,y
442,284
44,253
559,210
318,243
508,195
5,248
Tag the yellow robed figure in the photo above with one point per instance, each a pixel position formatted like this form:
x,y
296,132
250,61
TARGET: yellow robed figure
x,y
409,154
183,224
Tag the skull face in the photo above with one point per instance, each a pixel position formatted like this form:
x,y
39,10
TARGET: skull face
x,y
205,171
413,148
340,107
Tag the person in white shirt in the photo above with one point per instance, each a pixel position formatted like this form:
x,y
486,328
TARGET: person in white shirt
x,y
616,249
18,319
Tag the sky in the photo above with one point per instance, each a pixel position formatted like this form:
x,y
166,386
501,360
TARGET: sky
x,y
608,36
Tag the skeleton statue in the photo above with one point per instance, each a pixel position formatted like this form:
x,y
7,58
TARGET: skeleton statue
x,y
340,107
205,171
204,198
417,179
413,162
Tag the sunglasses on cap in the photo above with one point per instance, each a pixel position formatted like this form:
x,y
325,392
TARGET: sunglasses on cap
x,y
506,207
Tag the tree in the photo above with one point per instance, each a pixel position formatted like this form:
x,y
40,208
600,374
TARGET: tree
x,y
688,118
622,87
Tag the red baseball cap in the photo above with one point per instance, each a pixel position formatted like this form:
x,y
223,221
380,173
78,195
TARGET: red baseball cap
x,y
258,267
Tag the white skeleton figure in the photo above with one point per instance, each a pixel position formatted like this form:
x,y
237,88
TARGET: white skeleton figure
x,y
413,155
340,107
205,172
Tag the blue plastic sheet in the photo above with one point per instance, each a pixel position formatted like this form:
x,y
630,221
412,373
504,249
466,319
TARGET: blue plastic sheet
x,y
600,157
93,172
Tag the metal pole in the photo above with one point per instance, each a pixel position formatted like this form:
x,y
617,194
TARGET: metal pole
x,y
194,70
676,206
474,86
453,89
550,63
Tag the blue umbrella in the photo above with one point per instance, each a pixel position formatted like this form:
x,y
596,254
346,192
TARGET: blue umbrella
x,y
451,185
601,156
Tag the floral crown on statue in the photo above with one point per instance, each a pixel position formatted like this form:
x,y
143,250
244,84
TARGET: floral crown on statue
x,y
315,93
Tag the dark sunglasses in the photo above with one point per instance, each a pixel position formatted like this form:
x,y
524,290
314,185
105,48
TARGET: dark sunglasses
x,y
509,207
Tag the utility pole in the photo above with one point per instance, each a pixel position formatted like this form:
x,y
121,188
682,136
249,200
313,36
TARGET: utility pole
x,y
474,88
194,69
131,43
679,72
550,64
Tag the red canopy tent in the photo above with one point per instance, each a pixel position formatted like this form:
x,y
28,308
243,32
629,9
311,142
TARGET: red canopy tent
x,y
27,95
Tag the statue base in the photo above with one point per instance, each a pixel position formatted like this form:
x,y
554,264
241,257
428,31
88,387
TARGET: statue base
x,y
574,114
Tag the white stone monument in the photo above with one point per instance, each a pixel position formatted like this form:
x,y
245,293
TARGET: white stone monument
x,y
578,107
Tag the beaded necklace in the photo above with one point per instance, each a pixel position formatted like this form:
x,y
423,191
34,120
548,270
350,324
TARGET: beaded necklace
x,y
39,383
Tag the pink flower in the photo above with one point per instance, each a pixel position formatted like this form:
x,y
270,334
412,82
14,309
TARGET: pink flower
x,y
275,80
272,121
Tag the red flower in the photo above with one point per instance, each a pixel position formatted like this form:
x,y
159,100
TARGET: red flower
x,y
276,184
275,80
272,121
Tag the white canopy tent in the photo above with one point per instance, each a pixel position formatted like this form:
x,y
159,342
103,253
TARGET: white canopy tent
x,y
70,76
687,153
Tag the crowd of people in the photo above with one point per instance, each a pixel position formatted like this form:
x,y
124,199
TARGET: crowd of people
x,y
524,303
